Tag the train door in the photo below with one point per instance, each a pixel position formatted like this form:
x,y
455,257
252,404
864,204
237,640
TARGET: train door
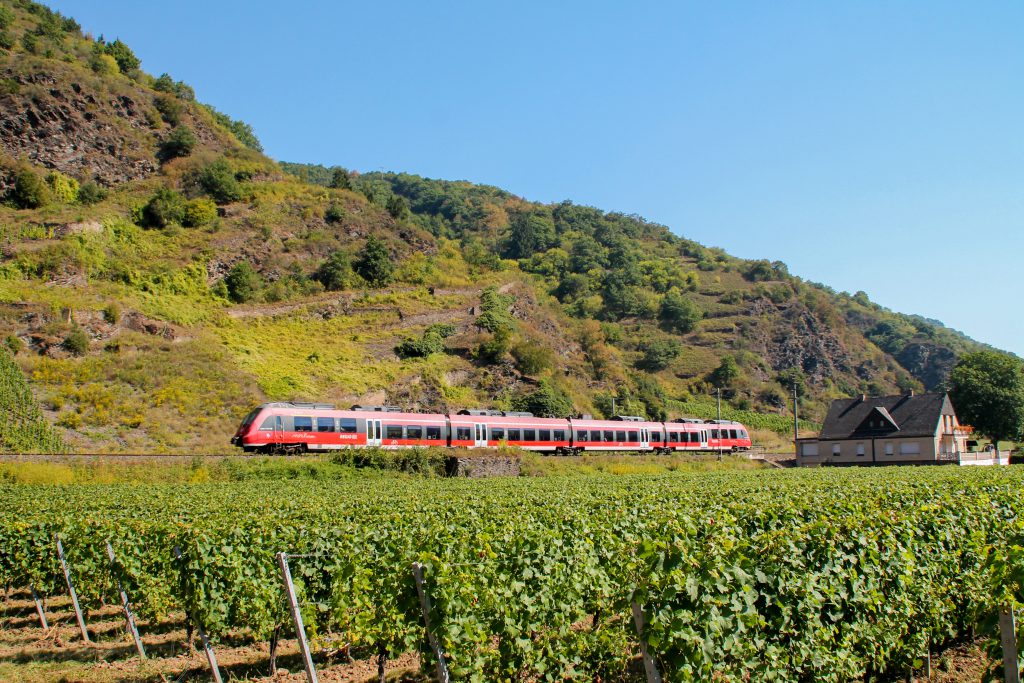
x,y
645,437
373,433
480,435
277,436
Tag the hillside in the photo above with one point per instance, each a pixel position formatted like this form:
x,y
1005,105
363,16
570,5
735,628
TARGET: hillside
x,y
160,275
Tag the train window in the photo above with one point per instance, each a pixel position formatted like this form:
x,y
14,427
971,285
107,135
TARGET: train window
x,y
513,435
609,435
497,433
433,433
634,437
347,425
673,436
463,434
732,434
581,435
268,424
545,435
414,432
303,424
655,437
743,434
392,431
620,435
558,435
529,435
325,424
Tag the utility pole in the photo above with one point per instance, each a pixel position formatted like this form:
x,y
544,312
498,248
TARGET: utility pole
x,y
796,421
718,396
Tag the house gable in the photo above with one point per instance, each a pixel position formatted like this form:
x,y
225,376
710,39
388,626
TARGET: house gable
x,y
905,416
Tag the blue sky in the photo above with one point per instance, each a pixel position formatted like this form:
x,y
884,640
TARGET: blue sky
x,y
871,146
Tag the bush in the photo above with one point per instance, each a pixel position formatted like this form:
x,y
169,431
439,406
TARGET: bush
x,y
123,56
91,193
242,282
170,108
112,313
430,343
103,64
679,314
13,344
727,372
218,180
76,343
532,357
164,208
62,188
374,265
397,207
494,349
335,214
179,143
546,400
659,354
199,212
30,192
340,179
336,272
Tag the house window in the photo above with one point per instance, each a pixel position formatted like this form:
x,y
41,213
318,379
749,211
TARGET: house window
x,y
810,449
860,449
889,449
912,448
837,449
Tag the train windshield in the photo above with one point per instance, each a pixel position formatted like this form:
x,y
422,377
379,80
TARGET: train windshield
x,y
249,419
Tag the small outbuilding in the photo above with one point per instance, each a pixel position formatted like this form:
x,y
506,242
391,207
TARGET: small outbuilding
x,y
908,429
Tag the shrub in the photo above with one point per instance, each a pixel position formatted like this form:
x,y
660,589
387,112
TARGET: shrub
x,y
546,400
727,372
103,64
123,56
340,179
336,272
70,420
430,343
494,349
179,143
335,214
13,344
199,212
91,193
679,314
242,282
6,40
532,357
30,192
112,313
659,354
62,188
76,343
164,208
164,83
397,207
6,17
170,108
375,265
218,180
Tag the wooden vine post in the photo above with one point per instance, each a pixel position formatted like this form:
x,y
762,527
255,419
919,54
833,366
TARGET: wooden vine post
x,y
442,665
1008,636
39,608
650,666
293,606
207,646
71,589
125,605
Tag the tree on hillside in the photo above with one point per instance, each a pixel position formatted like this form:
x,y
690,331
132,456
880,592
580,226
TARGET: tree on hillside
x,y
123,55
679,314
727,372
242,281
374,265
531,233
547,400
987,390
340,179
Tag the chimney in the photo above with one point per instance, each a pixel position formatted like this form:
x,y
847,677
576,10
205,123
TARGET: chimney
x,y
863,397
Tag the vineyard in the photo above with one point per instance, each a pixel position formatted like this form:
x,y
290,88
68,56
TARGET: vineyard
x,y
788,576
23,429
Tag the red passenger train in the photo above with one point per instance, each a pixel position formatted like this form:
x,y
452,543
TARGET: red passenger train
x,y
300,427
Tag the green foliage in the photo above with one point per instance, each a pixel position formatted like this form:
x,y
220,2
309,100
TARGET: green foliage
x,y
726,374
340,179
547,400
170,107
374,264
987,390
6,40
166,207
430,343
218,180
494,349
242,131
13,344
532,357
62,188
102,63
494,311
23,429
199,212
336,272
6,17
112,313
242,282
397,207
659,354
179,143
76,342
335,213
91,193
123,55
678,313
763,270
531,233
30,191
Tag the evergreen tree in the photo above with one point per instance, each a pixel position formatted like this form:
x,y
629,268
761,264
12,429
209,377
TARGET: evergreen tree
x,y
374,265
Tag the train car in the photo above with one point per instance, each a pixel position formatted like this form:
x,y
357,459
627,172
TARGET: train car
x,y
626,433
727,435
301,427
